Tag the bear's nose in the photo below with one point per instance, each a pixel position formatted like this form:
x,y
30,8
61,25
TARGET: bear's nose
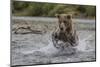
x,y
61,28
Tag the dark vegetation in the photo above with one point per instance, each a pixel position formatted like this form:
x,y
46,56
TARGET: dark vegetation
x,y
20,8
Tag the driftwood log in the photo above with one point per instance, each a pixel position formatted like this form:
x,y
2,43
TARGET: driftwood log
x,y
28,30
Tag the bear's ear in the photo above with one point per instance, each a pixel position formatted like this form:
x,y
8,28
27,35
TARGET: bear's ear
x,y
57,15
69,16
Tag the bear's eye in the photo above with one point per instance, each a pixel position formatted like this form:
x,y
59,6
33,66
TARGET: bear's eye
x,y
64,21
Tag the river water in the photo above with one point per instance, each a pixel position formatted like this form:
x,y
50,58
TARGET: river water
x,y
32,49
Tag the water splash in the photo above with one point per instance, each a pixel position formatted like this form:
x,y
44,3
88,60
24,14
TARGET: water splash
x,y
83,44
50,50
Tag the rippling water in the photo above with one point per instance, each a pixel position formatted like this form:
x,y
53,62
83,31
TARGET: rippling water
x,y
33,48
38,49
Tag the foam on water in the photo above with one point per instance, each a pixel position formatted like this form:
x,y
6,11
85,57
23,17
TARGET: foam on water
x,y
83,44
50,50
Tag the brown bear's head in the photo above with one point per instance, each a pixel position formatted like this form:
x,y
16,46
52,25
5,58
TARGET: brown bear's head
x,y
65,22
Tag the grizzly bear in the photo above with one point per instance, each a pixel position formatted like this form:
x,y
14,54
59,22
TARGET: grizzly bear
x,y
65,34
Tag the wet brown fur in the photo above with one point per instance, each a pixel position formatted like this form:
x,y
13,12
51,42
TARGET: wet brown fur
x,y
65,32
